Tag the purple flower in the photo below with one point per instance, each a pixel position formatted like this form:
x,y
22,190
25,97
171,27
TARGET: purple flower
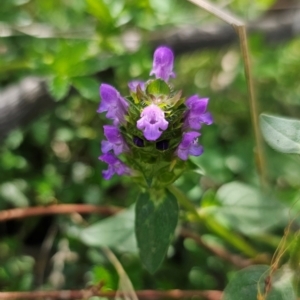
x,y
134,84
115,166
114,141
163,63
189,145
113,103
152,122
196,114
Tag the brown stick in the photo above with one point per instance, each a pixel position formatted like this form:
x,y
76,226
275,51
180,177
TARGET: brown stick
x,y
19,213
86,294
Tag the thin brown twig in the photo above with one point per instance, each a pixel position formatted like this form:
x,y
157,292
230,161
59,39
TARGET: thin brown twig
x,y
86,294
20,213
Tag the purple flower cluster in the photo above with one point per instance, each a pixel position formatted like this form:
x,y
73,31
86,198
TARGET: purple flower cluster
x,y
151,120
195,115
116,108
115,166
163,63
112,102
114,141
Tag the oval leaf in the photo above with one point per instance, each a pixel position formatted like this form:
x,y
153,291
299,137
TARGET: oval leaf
x,y
154,227
282,134
116,232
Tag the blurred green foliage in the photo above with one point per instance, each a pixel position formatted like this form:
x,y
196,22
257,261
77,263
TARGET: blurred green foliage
x,y
76,45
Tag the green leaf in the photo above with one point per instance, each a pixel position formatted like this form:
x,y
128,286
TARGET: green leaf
x,y
247,209
58,87
116,232
155,223
245,283
294,261
101,11
158,87
282,134
87,87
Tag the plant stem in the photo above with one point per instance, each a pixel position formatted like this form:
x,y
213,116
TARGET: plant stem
x,y
240,29
208,220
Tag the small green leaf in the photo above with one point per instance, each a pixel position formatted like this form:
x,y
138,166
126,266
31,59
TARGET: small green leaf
x,y
58,87
294,261
282,134
250,282
191,166
155,223
87,87
116,232
158,87
101,11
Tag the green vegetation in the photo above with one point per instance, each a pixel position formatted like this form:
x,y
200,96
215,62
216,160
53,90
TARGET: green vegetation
x,y
53,159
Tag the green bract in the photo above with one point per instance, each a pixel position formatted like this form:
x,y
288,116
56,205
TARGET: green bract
x,y
155,167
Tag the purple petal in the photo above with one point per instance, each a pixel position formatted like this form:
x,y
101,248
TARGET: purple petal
x,y
192,122
163,63
196,150
189,145
109,95
206,118
134,84
114,141
113,103
197,105
106,146
108,158
152,132
191,100
115,166
188,139
152,122
123,103
182,153
196,114
107,174
112,133
122,169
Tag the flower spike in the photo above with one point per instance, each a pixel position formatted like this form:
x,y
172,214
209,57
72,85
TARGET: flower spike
x,y
155,128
